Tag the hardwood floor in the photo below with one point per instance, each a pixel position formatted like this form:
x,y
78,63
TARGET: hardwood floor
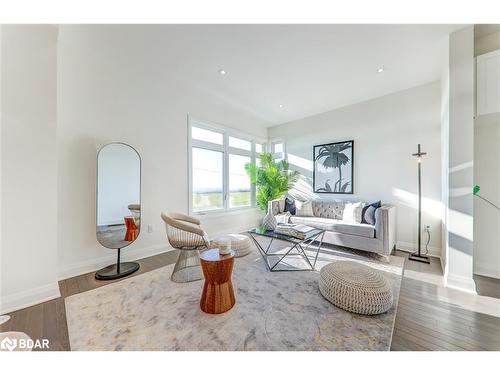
x,y
424,321
48,319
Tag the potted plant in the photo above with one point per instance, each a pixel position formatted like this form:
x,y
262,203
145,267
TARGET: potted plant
x,y
272,179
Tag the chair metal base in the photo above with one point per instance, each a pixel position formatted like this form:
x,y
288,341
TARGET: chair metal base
x,y
188,267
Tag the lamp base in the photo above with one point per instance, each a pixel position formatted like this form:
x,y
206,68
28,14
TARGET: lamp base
x,y
420,258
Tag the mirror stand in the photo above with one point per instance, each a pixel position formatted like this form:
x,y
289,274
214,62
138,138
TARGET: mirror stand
x,y
118,270
118,194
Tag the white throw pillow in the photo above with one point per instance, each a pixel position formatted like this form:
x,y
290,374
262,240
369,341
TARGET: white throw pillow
x,y
304,208
283,218
352,212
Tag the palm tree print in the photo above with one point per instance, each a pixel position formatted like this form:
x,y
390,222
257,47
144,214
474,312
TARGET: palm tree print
x,y
333,157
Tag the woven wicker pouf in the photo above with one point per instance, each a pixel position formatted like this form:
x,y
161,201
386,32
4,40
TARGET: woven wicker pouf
x,y
355,287
240,244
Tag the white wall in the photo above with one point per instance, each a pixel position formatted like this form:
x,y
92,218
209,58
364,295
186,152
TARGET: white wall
x,y
461,160
487,176
114,87
29,166
386,132
445,152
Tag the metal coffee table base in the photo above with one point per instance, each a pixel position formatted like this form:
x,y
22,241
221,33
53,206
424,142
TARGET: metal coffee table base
x,y
296,245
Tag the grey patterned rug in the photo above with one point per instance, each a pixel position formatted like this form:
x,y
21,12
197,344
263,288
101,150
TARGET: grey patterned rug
x,y
273,311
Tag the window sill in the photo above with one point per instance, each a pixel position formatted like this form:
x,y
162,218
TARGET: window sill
x,y
226,212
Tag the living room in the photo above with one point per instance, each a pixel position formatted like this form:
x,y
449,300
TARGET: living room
x,y
363,157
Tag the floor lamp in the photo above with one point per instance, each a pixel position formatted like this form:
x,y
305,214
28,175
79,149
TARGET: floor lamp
x,y
417,256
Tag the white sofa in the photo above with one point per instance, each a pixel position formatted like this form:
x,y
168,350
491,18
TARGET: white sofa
x,y
378,238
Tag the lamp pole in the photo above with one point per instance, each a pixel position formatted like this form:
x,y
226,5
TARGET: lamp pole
x,y
417,256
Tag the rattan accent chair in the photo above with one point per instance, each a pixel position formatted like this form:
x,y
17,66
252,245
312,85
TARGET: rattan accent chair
x,y
184,233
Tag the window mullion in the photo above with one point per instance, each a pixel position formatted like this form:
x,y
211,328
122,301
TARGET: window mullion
x,y
237,151
206,145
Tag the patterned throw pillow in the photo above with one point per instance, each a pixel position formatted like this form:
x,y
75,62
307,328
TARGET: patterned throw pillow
x,y
277,206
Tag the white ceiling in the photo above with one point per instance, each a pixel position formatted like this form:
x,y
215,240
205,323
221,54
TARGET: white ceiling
x,y
308,68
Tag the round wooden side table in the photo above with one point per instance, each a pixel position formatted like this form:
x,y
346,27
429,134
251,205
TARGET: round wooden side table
x,y
218,293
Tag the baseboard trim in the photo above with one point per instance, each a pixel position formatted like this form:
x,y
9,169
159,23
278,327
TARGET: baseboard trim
x,y
409,247
463,284
27,298
92,265
484,271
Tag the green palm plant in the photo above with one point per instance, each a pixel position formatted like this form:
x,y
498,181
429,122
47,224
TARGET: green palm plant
x,y
334,158
272,179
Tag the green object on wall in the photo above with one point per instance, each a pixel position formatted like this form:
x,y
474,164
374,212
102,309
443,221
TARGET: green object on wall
x,y
475,191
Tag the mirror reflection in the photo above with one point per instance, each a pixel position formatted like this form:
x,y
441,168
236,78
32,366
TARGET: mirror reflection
x,y
118,195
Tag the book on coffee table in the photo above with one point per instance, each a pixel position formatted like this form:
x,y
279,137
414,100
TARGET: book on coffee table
x,y
299,231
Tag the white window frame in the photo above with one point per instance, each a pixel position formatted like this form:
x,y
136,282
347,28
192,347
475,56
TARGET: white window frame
x,y
226,151
277,155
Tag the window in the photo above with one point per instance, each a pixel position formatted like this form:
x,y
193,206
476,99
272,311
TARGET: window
x,y
278,150
240,143
218,178
206,135
277,147
240,189
208,191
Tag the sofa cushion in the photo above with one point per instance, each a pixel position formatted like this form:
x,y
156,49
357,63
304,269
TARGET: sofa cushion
x,y
329,210
355,229
333,225
316,222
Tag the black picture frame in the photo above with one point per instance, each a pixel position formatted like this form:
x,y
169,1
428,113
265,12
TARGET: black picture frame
x,y
339,186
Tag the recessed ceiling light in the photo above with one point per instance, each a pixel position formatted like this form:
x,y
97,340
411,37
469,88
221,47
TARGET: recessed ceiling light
x,y
222,72
281,105
380,70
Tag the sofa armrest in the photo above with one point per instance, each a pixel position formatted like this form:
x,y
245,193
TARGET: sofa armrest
x,y
385,227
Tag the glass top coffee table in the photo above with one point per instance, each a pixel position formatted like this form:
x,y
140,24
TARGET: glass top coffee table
x,y
297,248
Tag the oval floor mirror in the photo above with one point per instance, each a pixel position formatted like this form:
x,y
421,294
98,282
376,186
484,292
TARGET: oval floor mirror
x,y
118,204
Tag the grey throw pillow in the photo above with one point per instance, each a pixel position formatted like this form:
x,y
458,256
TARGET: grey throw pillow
x,y
374,205
369,217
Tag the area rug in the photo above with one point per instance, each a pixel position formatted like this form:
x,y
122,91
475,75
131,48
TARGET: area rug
x,y
273,311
